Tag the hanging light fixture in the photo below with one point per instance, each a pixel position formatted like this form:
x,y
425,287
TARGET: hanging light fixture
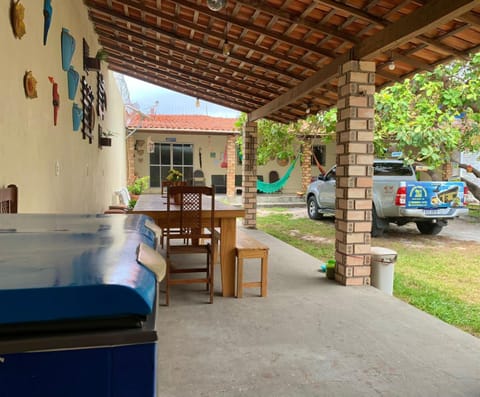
x,y
216,5
227,47
391,63
197,103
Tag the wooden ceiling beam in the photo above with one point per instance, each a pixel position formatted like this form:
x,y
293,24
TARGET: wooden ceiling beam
x,y
320,78
110,28
161,83
417,23
471,19
262,85
252,28
407,28
109,13
181,76
220,36
287,16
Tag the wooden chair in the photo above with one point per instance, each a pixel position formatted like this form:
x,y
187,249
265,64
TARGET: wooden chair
x,y
9,200
198,178
165,186
190,231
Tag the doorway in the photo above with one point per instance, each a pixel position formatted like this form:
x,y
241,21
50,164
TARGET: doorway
x,y
166,156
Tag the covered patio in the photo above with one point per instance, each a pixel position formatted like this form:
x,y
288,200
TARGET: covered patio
x,y
284,60
309,337
275,59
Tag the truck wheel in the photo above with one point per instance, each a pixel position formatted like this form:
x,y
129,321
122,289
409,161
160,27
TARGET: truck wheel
x,y
377,230
429,228
312,209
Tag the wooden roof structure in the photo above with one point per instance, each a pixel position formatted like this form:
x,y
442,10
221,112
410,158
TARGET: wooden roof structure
x,y
284,55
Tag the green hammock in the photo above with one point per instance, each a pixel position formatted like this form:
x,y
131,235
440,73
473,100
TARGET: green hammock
x,y
277,185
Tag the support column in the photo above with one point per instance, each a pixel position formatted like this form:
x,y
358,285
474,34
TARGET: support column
x,y
130,148
249,171
231,162
353,216
306,163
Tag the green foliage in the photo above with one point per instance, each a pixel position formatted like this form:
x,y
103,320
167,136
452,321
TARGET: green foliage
x,y
131,204
431,115
139,185
174,175
283,141
474,210
438,303
426,117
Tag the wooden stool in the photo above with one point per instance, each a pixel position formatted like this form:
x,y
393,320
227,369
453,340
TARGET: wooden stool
x,y
246,248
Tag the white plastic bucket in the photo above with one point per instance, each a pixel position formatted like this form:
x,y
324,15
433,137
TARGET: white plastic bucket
x,y
383,268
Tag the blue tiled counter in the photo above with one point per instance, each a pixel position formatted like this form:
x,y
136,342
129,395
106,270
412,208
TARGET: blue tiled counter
x,y
77,311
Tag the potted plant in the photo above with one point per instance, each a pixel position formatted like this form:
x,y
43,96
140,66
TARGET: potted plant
x,y
174,176
104,137
138,186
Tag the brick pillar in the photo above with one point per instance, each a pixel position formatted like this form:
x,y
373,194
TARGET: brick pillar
x,y
249,171
130,147
306,163
355,124
231,162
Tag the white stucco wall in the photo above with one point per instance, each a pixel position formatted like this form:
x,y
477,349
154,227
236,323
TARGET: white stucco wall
x,y
30,145
212,148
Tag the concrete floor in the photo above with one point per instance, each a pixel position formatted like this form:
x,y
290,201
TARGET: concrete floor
x,y
309,337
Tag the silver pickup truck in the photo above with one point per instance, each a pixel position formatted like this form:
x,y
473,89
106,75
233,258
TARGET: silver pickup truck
x,y
397,198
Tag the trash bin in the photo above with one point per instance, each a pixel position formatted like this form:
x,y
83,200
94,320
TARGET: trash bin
x,y
383,266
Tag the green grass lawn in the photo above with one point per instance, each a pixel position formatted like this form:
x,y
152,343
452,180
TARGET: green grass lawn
x,y
438,275
474,210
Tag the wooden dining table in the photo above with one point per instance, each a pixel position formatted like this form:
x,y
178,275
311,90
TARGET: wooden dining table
x,y
155,206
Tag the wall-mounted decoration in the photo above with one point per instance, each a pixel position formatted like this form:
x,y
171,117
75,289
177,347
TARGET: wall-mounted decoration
x,y
88,120
150,144
47,19
77,116
55,99
30,85
101,96
103,138
17,14
73,79
89,63
68,48
224,163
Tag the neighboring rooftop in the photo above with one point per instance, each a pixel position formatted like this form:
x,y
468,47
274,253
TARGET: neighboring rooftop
x,y
181,123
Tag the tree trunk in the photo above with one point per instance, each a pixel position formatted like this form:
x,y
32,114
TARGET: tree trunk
x,y
474,187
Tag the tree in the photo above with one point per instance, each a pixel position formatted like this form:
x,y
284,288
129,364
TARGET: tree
x,y
431,115
283,141
427,118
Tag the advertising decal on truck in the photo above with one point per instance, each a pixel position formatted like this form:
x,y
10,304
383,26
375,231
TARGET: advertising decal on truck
x,y
434,194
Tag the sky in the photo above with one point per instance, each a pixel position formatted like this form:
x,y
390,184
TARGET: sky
x,y
147,96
